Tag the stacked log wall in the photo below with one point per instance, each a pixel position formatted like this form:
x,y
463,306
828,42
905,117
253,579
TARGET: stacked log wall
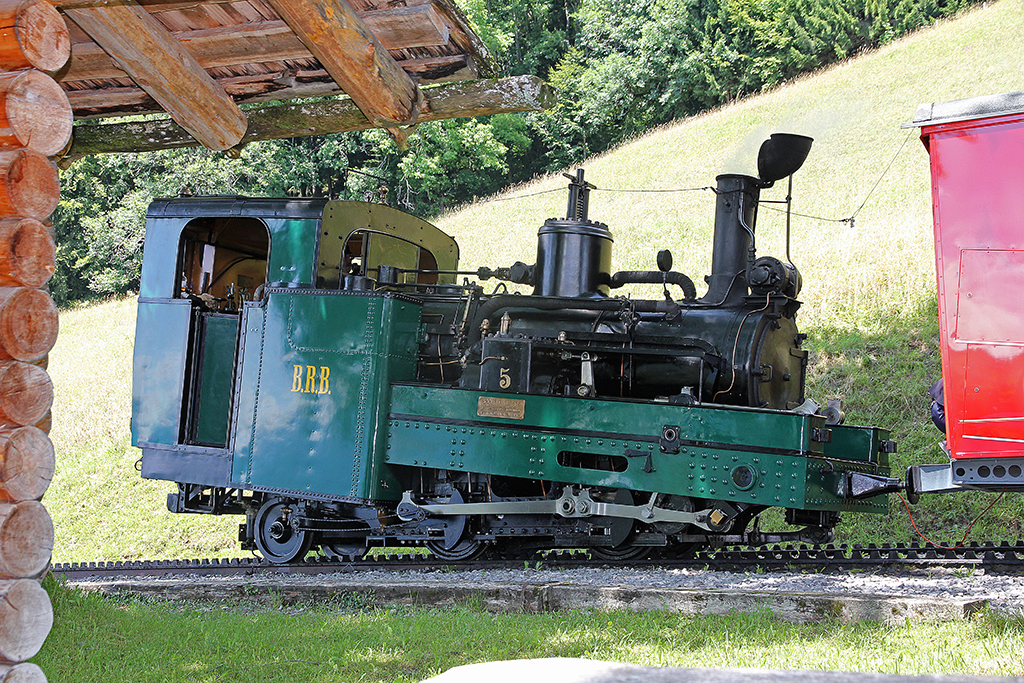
x,y
35,124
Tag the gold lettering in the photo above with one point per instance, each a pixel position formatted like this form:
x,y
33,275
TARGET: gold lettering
x,y
325,385
504,381
310,380
297,378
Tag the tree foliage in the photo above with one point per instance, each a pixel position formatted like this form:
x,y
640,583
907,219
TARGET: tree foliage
x,y
620,67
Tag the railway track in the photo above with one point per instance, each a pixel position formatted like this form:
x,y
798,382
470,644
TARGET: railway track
x,y
1002,558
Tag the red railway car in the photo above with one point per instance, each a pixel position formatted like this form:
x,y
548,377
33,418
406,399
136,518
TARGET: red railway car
x,y
976,147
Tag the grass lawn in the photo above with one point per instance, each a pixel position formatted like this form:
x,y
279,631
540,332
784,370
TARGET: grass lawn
x,y
101,639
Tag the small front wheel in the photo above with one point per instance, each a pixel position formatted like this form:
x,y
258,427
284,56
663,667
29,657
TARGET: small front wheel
x,y
276,539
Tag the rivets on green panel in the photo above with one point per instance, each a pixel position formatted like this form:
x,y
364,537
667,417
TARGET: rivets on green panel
x,y
600,443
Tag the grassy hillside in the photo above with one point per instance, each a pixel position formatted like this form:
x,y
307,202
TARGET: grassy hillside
x,y
869,286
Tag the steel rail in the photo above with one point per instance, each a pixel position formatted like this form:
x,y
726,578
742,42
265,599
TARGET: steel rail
x,y
1002,558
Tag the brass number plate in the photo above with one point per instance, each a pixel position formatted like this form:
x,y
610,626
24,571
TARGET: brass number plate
x,y
508,408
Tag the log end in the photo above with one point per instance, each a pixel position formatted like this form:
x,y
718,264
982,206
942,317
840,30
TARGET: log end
x,y
30,184
26,539
27,253
26,672
43,36
26,463
38,113
26,617
28,324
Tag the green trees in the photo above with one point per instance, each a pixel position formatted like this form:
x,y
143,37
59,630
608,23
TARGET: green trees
x,y
620,66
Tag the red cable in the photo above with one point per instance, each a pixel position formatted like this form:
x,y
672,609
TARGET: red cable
x,y
967,531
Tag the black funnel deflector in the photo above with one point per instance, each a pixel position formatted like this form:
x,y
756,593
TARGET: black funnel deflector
x,y
781,155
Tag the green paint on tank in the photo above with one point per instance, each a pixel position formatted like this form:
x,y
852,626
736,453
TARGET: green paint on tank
x,y
314,390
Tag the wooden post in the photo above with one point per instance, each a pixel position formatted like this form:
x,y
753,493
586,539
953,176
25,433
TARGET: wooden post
x,y
35,122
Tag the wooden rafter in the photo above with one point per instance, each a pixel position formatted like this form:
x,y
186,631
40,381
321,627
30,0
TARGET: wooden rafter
x,y
159,64
355,59
268,41
453,100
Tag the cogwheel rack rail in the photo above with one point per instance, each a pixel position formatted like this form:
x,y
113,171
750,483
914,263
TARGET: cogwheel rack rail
x,y
1001,558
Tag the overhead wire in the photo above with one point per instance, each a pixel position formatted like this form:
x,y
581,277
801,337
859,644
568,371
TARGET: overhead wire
x,y
849,220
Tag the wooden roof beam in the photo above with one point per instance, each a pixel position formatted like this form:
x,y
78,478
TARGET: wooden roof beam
x,y
399,28
165,70
452,100
346,47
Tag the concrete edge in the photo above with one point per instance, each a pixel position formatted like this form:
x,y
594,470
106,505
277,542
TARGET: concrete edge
x,y
551,597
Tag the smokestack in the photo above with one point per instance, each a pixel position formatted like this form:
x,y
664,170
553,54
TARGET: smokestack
x,y
735,217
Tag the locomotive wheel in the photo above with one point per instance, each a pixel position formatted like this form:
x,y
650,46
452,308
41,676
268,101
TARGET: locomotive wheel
x,y
343,551
626,552
463,551
275,538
